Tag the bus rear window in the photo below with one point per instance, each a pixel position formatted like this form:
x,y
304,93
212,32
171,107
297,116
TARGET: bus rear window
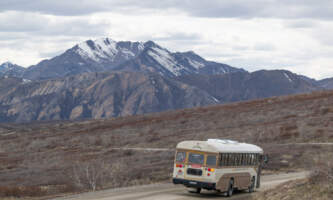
x,y
180,156
196,158
211,160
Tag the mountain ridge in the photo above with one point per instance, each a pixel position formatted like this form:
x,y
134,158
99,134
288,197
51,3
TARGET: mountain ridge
x,y
105,54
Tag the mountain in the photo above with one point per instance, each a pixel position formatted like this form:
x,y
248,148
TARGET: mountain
x,y
155,58
108,55
326,83
12,70
90,56
241,86
104,78
97,95
114,94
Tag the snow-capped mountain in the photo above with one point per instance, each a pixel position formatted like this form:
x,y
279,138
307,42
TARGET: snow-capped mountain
x,y
155,58
89,56
106,50
10,69
108,55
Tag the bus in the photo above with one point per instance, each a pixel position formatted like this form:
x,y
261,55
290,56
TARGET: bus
x,y
215,164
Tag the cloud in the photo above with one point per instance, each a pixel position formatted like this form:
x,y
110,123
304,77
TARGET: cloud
x,y
14,22
213,8
178,36
300,24
252,34
264,47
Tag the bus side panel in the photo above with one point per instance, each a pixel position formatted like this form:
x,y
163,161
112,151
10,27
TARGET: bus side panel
x,y
241,181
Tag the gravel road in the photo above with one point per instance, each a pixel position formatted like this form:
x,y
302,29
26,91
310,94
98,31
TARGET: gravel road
x,y
169,191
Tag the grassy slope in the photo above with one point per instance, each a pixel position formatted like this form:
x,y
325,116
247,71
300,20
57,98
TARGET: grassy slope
x,y
46,153
298,190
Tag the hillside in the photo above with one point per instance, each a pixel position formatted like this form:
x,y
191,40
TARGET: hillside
x,y
242,86
95,95
326,83
124,93
49,153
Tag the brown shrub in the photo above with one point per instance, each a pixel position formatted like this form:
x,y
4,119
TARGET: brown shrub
x,y
322,170
27,191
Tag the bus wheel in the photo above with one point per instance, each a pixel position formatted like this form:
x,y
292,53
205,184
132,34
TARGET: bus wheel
x,y
230,188
194,190
251,188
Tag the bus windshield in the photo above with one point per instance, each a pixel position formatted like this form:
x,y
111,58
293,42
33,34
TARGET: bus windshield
x,y
196,158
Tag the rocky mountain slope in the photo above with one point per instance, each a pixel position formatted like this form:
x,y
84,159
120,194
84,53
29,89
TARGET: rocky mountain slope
x,y
96,95
108,55
114,94
11,70
326,83
240,86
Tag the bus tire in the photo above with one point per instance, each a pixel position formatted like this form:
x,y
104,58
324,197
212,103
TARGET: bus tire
x,y
230,188
251,187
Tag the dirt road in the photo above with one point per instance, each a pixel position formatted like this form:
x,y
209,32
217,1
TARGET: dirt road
x,y
175,192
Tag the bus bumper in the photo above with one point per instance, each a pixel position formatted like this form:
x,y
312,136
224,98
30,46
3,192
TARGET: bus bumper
x,y
194,184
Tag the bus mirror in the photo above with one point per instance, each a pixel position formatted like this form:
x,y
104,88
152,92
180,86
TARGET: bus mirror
x,y
265,159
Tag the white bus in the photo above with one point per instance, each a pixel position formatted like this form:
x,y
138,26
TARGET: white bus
x,y
221,165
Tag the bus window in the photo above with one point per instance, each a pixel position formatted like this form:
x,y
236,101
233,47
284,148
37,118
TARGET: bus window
x,y
238,159
180,157
243,159
236,155
224,159
196,158
232,159
252,159
211,160
247,159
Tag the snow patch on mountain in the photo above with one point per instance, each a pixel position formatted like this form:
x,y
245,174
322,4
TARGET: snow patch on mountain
x,y
286,75
6,67
106,49
163,57
85,51
127,53
196,64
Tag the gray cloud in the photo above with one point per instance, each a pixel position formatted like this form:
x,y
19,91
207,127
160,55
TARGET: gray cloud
x,y
301,24
214,8
16,22
179,36
264,47
240,48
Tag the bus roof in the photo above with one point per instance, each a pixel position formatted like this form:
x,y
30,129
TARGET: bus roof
x,y
220,146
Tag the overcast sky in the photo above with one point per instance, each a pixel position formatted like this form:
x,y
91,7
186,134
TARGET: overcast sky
x,y
296,35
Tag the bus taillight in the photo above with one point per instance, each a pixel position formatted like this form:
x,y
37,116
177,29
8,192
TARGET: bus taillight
x,y
211,169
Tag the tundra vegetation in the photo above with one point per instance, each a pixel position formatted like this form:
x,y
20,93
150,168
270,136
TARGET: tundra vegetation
x,y
52,158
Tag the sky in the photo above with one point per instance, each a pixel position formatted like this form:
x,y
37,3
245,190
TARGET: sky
x,y
295,35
